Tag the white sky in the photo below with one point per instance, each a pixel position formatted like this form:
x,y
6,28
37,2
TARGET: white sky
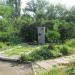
x,y
67,3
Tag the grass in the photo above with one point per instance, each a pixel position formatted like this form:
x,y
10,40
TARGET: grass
x,y
58,70
37,52
46,52
68,70
54,71
70,43
5,46
12,50
19,49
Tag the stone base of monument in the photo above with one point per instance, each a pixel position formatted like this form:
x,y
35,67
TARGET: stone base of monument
x,y
41,35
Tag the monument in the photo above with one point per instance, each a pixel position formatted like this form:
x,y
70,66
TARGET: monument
x,y
41,35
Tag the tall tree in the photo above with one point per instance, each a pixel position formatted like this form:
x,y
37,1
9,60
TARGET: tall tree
x,y
56,11
16,5
37,8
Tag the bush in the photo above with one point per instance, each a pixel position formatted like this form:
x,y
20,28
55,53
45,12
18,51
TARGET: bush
x,y
56,53
29,32
66,30
54,71
3,46
71,69
53,36
70,42
46,52
23,57
65,50
15,40
3,36
42,54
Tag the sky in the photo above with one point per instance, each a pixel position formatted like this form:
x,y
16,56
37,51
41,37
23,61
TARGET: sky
x,y
67,3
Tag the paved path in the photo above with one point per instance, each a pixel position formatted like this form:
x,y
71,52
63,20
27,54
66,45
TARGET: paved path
x,y
7,68
49,63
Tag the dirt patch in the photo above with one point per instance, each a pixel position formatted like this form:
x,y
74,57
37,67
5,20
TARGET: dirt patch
x,y
7,68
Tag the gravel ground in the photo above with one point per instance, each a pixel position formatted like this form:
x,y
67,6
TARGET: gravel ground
x,y
7,68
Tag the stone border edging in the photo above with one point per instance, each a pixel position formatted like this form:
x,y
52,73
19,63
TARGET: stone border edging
x,y
6,59
34,70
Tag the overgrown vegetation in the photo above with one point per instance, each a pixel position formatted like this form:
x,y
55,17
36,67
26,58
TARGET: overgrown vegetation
x,y
47,52
57,19
69,70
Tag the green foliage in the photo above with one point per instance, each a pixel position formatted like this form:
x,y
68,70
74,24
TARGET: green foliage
x,y
71,70
47,52
58,21
54,71
53,36
2,45
65,50
42,54
70,42
54,18
38,54
56,29
6,11
23,58
36,7
3,36
66,29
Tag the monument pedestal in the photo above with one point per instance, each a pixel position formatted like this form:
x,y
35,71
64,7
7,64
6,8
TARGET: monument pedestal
x,y
41,35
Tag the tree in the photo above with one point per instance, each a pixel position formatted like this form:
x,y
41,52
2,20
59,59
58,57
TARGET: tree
x,y
71,15
16,5
37,7
56,11
66,30
6,11
60,11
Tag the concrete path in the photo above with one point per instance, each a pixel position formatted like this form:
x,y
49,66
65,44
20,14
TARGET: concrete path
x,y
7,68
48,64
